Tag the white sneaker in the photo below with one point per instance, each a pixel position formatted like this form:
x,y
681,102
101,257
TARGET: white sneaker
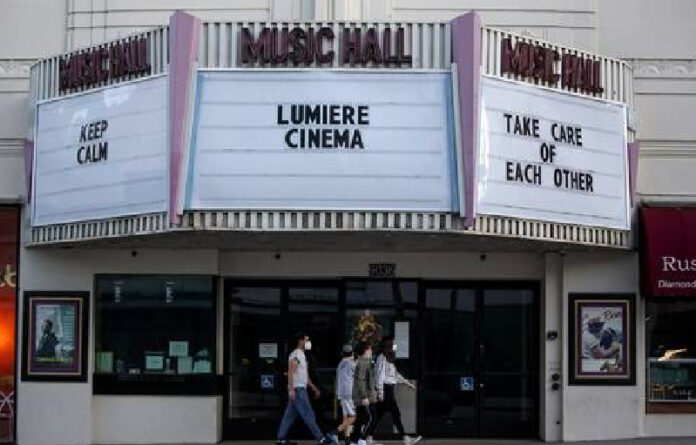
x,y
362,442
408,440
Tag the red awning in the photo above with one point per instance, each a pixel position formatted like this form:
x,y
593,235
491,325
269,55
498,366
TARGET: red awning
x,y
668,251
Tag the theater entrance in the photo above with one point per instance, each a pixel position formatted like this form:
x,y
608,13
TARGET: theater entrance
x,y
470,348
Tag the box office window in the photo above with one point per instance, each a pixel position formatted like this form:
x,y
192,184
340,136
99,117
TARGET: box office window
x,y
155,334
671,324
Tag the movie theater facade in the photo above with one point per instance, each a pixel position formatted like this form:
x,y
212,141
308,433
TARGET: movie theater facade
x,y
200,191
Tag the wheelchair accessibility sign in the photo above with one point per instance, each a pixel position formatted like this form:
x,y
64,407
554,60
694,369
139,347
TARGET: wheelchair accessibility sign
x,y
267,381
466,383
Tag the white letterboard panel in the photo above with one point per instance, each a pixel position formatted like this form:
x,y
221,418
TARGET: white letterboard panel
x,y
360,141
102,154
552,156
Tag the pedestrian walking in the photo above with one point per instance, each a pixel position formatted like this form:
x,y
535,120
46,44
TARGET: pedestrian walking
x,y
386,379
363,394
298,399
345,374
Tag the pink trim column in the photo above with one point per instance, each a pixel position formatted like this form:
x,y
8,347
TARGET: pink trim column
x,y
184,37
633,154
28,165
466,53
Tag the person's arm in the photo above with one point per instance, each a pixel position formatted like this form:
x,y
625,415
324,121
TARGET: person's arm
x,y
402,380
311,370
380,372
292,369
314,389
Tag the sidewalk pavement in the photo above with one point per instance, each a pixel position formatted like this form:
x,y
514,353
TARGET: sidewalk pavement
x,y
651,441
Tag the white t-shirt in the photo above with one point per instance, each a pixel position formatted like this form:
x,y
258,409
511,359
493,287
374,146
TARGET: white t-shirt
x,y
390,374
301,377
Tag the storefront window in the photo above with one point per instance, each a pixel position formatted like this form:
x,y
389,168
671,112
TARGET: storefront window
x,y
672,351
9,222
154,329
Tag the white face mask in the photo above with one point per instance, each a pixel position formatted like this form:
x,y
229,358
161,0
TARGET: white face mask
x,y
308,345
394,348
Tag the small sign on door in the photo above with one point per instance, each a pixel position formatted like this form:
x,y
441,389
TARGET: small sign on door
x,y
466,383
268,350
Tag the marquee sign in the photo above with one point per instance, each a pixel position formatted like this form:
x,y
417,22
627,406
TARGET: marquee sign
x,y
318,145
552,156
538,62
102,153
115,61
333,116
299,45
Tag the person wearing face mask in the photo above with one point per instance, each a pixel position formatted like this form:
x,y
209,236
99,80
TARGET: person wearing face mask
x,y
386,379
298,399
363,394
344,392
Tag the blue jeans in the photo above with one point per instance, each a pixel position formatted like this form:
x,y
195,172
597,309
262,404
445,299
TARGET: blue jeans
x,y
302,407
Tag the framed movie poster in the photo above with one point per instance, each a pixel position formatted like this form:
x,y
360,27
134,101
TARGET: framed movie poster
x,y
602,339
55,336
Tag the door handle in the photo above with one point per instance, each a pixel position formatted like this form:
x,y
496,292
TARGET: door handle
x,y
482,385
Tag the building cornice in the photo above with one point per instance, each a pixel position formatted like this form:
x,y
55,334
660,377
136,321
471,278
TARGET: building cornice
x,y
664,68
15,68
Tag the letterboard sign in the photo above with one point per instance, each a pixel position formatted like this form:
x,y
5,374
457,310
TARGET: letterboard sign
x,y
334,140
102,154
552,156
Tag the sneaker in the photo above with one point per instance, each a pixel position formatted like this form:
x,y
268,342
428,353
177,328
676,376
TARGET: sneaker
x,y
370,441
333,435
326,440
408,440
362,442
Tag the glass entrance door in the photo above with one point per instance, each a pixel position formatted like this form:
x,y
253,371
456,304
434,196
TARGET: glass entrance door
x,y
253,361
508,358
448,402
313,309
260,319
479,361
469,347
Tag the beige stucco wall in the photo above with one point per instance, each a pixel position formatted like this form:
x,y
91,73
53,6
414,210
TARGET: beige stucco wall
x,y
656,37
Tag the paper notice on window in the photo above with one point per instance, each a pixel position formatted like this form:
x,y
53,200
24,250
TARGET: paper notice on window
x,y
401,339
268,350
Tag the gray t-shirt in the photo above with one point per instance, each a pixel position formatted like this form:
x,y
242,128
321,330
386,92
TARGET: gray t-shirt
x,y
301,377
344,379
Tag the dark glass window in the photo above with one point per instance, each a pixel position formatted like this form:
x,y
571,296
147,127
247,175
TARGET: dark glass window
x,y
380,308
671,351
154,328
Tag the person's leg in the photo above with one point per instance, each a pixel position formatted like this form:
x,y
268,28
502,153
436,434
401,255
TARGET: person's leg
x,y
288,419
359,426
393,407
304,409
348,410
347,422
377,411
349,427
371,414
